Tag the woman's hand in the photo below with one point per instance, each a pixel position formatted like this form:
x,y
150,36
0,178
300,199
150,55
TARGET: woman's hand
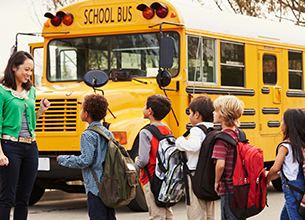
x,y
3,160
44,104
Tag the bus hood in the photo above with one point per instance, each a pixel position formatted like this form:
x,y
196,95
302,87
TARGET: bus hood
x,y
118,94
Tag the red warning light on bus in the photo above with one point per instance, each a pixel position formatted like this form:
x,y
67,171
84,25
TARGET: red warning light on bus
x,y
61,16
161,9
67,18
147,11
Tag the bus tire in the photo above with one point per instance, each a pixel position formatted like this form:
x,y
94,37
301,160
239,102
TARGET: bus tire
x,y
138,204
277,184
36,194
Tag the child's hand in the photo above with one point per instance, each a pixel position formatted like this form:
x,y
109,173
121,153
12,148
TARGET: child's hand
x,y
137,157
57,158
216,186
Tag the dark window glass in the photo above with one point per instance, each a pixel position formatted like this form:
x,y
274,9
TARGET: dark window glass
x,y
295,70
232,64
269,69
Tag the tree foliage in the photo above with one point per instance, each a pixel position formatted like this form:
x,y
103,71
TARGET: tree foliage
x,y
290,10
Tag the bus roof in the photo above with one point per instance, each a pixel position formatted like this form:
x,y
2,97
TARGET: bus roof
x,y
213,20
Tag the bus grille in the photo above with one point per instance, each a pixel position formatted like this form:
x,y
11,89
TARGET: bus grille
x,y
61,116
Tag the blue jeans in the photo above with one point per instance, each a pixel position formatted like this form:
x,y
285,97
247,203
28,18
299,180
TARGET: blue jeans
x,y
97,209
226,213
17,179
289,211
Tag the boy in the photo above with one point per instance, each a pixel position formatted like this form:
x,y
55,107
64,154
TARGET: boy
x,y
201,113
155,109
228,110
93,152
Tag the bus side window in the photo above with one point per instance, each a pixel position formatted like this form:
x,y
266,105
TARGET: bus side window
x,y
232,64
269,69
201,60
38,66
295,70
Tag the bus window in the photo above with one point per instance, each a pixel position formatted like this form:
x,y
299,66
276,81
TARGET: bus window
x,y
295,70
70,59
232,64
38,66
67,63
201,60
269,69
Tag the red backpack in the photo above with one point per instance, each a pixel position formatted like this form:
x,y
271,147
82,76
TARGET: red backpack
x,y
249,179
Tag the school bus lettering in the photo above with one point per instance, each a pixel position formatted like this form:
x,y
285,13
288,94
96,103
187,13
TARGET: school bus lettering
x,y
124,13
107,15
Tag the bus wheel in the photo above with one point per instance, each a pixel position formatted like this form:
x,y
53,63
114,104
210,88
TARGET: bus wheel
x,y
277,184
138,204
36,194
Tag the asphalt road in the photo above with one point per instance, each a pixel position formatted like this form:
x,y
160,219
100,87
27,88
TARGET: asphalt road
x,y
58,205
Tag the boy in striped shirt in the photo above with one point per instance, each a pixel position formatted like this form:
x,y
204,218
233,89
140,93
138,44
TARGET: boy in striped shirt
x,y
228,110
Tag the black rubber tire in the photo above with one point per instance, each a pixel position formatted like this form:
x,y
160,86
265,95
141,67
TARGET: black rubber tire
x,y
277,184
138,204
36,194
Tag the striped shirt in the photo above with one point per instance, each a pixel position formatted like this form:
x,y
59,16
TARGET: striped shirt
x,y
225,151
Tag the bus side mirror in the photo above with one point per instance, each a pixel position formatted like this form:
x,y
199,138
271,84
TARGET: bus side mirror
x,y
96,78
163,78
166,52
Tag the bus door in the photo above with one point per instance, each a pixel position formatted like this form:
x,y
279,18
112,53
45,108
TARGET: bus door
x,y
270,92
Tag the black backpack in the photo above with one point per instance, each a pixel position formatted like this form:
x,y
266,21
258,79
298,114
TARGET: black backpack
x,y
204,179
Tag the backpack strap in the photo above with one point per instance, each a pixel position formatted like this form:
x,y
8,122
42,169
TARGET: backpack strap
x,y
98,130
229,139
292,187
156,132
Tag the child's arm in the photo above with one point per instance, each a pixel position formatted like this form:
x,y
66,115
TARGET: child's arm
x,y
274,170
219,168
88,143
193,143
144,149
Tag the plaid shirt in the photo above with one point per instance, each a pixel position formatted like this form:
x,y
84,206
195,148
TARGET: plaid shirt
x,y
224,151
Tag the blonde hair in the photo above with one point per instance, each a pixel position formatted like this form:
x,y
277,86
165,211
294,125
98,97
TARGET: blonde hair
x,y
230,108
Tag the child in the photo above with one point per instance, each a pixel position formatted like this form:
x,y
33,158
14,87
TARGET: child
x,y
155,109
93,152
228,110
290,158
201,113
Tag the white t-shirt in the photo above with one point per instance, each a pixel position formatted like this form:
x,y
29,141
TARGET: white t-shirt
x,y
193,144
290,168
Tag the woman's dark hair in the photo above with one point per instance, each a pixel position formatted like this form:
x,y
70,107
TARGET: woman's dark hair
x,y
294,120
15,60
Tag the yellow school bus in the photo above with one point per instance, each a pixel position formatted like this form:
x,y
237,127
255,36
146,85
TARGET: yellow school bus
x,y
203,50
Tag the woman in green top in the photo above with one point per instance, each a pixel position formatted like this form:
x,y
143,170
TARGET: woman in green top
x,y
18,149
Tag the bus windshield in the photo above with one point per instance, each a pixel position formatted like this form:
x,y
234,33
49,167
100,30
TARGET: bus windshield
x,y
70,58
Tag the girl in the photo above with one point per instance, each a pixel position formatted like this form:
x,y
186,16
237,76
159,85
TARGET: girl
x,y
289,160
